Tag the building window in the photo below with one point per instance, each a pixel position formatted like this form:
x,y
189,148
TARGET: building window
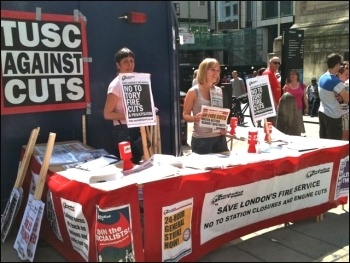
x,y
286,8
249,10
227,11
270,9
235,9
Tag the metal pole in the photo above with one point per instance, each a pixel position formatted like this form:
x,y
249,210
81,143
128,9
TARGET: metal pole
x,y
189,16
278,18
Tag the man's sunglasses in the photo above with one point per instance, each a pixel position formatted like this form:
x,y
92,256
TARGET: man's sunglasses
x,y
276,63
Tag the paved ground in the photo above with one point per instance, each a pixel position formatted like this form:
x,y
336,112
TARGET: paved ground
x,y
301,241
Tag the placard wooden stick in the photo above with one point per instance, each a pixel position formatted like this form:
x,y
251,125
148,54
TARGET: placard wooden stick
x,y
83,124
44,166
159,136
146,155
267,131
155,139
149,137
26,157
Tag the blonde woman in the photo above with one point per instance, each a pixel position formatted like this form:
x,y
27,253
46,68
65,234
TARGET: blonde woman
x,y
204,140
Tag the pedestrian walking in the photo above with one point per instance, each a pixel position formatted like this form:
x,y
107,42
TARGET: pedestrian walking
x,y
313,97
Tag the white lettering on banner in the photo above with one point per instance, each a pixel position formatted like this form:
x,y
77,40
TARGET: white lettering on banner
x,y
42,64
47,35
229,208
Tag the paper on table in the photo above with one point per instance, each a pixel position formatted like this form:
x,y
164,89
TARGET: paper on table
x,y
103,174
206,161
98,163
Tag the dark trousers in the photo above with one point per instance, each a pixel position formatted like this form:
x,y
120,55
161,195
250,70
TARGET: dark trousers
x,y
330,128
315,104
122,133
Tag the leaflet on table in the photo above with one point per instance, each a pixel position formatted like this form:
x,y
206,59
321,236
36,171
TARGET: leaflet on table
x,y
98,163
206,161
112,177
103,174
155,160
214,117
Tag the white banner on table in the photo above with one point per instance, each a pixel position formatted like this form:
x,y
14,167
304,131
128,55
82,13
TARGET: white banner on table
x,y
214,117
260,98
138,99
232,208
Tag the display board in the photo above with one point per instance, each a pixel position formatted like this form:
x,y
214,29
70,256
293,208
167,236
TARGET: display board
x,y
292,53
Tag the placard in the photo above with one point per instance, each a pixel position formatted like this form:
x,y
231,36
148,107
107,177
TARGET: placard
x,y
138,99
260,98
214,117
44,65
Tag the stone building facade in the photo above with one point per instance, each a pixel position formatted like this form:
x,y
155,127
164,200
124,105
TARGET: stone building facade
x,y
326,30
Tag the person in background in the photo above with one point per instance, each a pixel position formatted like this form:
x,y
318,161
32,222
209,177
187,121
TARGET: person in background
x,y
313,97
298,90
288,115
114,106
228,78
343,75
194,78
238,88
204,140
274,64
224,79
260,71
330,113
